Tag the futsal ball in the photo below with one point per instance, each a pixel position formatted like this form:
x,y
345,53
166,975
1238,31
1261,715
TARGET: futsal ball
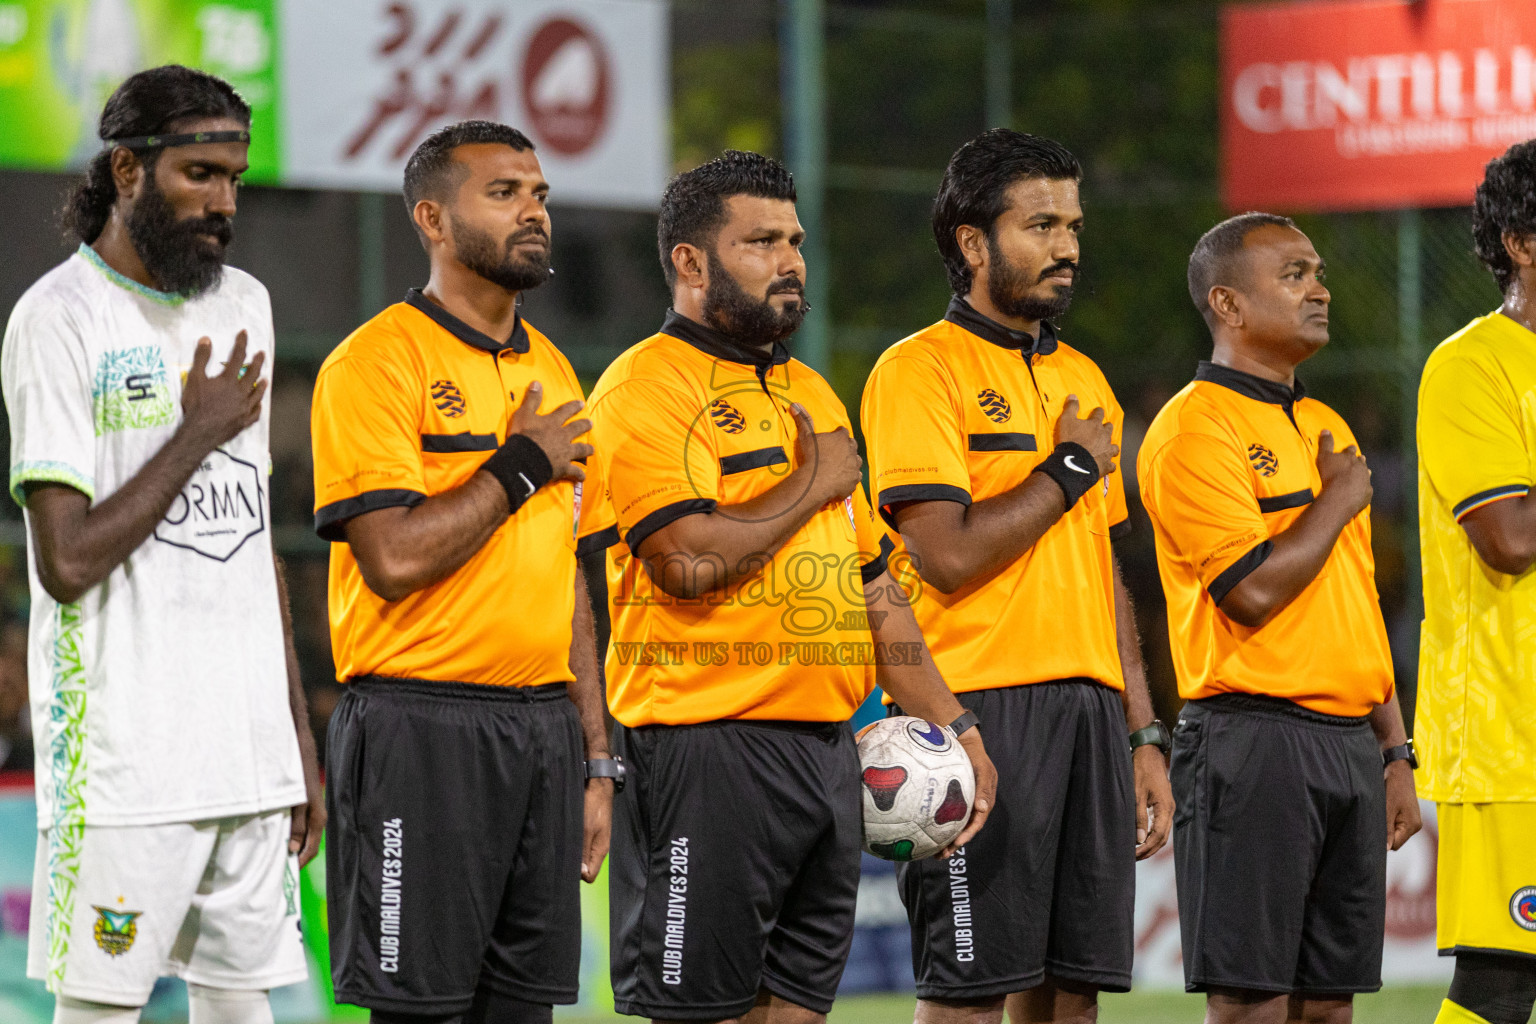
x,y
918,788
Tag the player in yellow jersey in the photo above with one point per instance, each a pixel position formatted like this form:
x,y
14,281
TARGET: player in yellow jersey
x,y
1476,720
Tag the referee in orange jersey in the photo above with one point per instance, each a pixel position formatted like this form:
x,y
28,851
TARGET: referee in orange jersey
x,y
1290,763
446,478
993,450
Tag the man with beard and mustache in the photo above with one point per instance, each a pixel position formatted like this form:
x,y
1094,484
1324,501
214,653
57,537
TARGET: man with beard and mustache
x,y
178,792
1007,499
468,765
752,609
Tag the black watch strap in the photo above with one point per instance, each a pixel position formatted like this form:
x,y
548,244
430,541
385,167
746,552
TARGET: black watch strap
x,y
967,720
1157,734
1401,752
608,768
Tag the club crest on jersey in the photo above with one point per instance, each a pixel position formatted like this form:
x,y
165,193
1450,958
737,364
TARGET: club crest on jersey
x,y
1522,907
994,405
115,930
1263,460
448,398
727,417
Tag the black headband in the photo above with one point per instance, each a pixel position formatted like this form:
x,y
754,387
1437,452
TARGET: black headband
x,y
186,139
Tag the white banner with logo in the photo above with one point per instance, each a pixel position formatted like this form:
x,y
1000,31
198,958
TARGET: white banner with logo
x,y
364,81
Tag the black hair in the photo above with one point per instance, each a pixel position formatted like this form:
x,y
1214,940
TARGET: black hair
x,y
1506,202
693,205
432,173
1212,261
148,103
976,183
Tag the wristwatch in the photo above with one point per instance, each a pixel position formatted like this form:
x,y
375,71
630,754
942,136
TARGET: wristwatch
x,y
1401,752
1157,734
608,768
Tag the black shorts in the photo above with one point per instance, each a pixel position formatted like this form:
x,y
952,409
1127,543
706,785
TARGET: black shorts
x,y
1280,847
453,855
735,866
1048,887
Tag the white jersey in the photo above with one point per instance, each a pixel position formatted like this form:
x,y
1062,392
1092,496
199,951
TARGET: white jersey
x,y
161,695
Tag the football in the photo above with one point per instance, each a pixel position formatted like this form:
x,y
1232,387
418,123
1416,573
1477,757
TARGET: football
x,y
918,788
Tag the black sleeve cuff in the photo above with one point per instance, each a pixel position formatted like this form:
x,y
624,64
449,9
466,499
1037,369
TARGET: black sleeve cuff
x,y
872,569
1238,571
663,516
1120,530
592,543
918,492
331,519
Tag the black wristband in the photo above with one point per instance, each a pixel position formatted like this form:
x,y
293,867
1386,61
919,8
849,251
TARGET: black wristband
x,y
967,721
1073,468
521,467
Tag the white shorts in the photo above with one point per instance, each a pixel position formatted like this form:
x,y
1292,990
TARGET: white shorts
x,y
214,902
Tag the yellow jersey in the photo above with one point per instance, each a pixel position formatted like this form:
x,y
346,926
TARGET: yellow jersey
x,y
1475,724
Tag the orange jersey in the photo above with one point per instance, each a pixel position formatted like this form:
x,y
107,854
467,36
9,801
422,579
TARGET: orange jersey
x,y
410,405
962,411
1229,463
686,422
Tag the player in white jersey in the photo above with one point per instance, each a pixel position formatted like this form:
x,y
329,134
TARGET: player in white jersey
x,y
176,780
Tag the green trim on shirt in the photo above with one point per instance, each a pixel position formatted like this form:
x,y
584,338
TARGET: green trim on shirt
x,y
51,473
164,298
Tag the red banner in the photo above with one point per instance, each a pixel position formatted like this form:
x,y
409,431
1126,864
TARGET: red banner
x,y
1371,104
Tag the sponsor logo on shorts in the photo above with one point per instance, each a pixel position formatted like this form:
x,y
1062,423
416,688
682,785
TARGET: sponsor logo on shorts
x,y
960,907
677,914
115,930
389,896
1522,907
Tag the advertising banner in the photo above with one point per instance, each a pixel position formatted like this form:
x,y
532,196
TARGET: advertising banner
x,y
342,91
1371,104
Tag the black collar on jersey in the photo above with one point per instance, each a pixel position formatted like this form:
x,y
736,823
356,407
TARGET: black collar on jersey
x,y
963,314
465,333
1249,386
183,139
713,343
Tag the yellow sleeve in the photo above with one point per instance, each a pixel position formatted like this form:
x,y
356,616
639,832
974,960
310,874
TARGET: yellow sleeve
x,y
915,436
365,428
1200,492
658,459
1471,441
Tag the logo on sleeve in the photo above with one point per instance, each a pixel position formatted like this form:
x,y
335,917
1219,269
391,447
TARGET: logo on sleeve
x,y
727,417
448,398
1263,460
115,930
994,405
